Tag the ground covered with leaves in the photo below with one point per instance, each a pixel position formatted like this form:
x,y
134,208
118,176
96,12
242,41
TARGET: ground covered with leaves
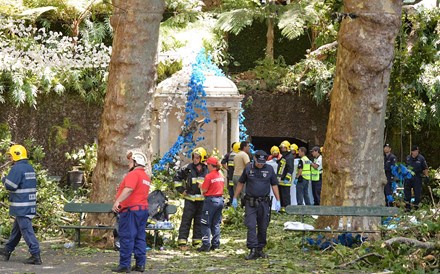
x,y
287,254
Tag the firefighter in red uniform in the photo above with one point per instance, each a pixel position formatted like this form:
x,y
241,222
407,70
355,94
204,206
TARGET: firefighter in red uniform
x,y
132,205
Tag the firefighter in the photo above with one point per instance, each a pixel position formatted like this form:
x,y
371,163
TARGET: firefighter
x,y
303,177
228,164
21,182
186,183
274,154
284,174
259,178
132,206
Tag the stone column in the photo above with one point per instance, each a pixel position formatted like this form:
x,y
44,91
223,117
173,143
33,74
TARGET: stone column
x,y
155,132
221,130
235,130
163,136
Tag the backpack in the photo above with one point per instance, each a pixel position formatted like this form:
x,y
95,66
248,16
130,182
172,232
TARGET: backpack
x,y
157,202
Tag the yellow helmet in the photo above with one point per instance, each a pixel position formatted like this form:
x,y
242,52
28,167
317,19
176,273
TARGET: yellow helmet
x,y
236,147
294,147
285,144
18,152
200,151
274,149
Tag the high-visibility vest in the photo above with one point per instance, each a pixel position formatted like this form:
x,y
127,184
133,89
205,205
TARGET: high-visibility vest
x,y
307,168
315,172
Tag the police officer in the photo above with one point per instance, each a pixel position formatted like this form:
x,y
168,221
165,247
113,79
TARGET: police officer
x,y
186,182
212,189
419,167
228,164
132,206
259,178
284,174
303,176
389,160
21,182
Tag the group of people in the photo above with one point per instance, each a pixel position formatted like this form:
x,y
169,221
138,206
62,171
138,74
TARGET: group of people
x,y
418,168
201,184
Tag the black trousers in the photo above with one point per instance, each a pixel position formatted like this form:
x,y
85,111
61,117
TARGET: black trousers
x,y
192,214
284,195
388,190
415,183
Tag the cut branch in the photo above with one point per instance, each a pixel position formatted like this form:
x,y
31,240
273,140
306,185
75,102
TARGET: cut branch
x,y
359,259
414,242
321,53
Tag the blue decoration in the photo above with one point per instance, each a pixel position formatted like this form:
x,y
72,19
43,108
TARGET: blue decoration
x,y
345,239
243,135
401,172
195,104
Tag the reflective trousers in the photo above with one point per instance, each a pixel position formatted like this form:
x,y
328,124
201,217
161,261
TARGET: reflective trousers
x,y
211,221
23,227
132,237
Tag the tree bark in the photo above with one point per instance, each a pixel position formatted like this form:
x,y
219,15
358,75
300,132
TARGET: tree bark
x,y
270,38
353,158
125,122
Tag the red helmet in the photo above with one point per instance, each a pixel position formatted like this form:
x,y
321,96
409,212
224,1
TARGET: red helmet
x,y
212,161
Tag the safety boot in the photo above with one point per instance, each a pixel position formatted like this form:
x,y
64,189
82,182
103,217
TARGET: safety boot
x,y
34,259
121,269
5,255
253,255
203,248
138,268
261,254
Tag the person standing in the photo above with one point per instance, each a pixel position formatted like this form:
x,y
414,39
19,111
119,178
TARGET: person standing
x,y
131,204
284,174
419,166
303,177
240,162
228,164
389,160
212,189
21,182
259,178
186,182
316,175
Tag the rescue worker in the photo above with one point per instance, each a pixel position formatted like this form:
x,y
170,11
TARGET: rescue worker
x,y
187,181
294,151
212,189
21,182
389,160
316,175
419,166
303,177
132,206
259,178
228,164
284,174
274,153
240,161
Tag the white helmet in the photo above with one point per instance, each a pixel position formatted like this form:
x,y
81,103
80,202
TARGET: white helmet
x,y
139,158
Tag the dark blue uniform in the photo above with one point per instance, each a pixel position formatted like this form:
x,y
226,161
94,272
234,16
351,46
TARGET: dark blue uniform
x,y
229,160
21,182
418,164
388,161
257,203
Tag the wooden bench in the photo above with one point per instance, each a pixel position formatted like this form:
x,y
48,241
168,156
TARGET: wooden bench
x,y
343,211
83,208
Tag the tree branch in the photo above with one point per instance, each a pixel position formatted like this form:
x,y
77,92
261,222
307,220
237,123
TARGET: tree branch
x,y
414,242
415,2
321,52
360,258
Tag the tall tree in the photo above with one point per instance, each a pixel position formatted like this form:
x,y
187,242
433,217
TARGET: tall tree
x,y
353,160
125,122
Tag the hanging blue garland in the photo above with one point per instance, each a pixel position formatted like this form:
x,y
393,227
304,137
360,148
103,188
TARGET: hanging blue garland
x,y
195,102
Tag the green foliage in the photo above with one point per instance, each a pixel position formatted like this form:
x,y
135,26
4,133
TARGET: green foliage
x,y
163,180
59,134
86,159
167,68
271,72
